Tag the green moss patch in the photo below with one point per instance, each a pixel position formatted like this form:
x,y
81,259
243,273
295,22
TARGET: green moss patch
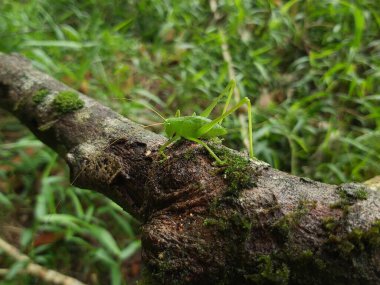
x,y
330,224
349,193
269,273
234,222
352,191
357,241
238,173
236,170
67,101
282,228
40,95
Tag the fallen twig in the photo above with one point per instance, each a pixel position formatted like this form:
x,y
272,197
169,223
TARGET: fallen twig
x,y
48,275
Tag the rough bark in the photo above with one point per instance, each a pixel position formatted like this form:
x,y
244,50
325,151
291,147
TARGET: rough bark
x,y
242,223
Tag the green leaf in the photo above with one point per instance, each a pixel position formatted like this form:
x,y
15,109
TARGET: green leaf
x,y
116,275
101,254
105,238
130,250
5,201
16,268
60,44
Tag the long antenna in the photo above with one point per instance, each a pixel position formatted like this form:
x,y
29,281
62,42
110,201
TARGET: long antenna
x,y
153,110
152,125
145,105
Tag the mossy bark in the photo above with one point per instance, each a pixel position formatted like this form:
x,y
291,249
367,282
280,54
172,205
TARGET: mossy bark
x,y
243,223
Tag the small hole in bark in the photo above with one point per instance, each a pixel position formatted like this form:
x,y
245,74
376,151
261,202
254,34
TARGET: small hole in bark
x,y
4,89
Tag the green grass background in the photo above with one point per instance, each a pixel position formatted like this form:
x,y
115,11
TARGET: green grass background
x,y
310,68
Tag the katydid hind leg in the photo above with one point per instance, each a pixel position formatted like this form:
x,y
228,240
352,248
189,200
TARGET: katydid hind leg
x,y
228,91
207,127
207,148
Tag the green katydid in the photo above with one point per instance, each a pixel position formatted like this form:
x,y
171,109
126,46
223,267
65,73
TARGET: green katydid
x,y
194,128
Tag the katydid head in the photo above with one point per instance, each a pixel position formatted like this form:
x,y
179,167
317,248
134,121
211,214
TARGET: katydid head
x,y
170,128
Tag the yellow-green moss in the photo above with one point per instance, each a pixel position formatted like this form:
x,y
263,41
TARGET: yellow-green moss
x,y
235,221
329,224
189,154
346,247
237,171
219,223
282,227
307,258
241,222
269,273
372,236
352,191
67,101
349,193
357,240
40,95
238,175
369,239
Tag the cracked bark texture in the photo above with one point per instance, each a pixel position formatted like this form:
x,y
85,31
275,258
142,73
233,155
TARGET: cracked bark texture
x,y
242,223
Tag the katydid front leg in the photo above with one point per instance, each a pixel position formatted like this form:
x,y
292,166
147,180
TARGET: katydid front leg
x,y
165,145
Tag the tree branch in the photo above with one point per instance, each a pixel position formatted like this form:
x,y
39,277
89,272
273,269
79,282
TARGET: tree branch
x,y
48,275
243,223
